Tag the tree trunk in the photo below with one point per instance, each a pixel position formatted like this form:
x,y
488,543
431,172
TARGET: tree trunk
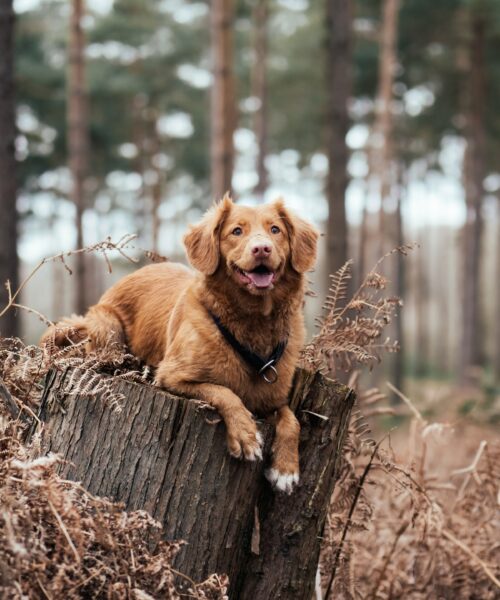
x,y
339,66
259,91
170,458
421,287
384,121
399,357
77,140
223,97
474,173
363,240
496,358
8,185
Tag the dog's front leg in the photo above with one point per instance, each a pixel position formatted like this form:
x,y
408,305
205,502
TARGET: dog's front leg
x,y
243,437
284,471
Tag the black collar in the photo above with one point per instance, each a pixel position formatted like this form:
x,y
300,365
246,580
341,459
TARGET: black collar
x,y
264,366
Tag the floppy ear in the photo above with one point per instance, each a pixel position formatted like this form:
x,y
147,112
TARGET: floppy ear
x,y
202,240
303,239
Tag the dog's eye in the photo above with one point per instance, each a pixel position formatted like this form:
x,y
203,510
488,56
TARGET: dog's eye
x,y
275,229
237,231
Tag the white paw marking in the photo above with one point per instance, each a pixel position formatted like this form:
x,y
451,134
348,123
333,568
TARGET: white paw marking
x,y
282,482
256,452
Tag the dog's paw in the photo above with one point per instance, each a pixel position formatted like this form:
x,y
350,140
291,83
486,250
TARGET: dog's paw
x,y
246,443
282,482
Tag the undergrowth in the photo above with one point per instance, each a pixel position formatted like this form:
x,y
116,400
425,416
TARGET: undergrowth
x,y
409,524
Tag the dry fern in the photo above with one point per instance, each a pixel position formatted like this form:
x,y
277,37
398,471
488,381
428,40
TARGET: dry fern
x,y
58,541
350,332
408,531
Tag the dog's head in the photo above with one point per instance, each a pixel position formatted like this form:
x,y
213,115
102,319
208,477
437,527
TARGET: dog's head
x,y
252,245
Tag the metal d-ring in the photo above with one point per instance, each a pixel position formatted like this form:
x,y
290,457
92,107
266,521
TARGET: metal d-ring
x,y
269,366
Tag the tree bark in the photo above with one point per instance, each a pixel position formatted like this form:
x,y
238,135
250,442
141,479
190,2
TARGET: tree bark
x,y
474,174
384,121
496,358
259,91
8,184
339,66
399,357
78,140
170,460
223,97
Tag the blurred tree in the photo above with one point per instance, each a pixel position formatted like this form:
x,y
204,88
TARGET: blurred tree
x,y
475,171
223,112
8,186
77,140
383,151
339,68
259,90
496,344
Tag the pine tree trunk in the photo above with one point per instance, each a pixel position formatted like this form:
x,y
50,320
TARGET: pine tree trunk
x,y
339,67
496,359
223,97
259,91
168,455
421,287
77,140
474,173
384,121
399,357
362,245
8,185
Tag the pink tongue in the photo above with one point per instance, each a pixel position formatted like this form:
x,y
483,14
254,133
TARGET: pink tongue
x,y
260,280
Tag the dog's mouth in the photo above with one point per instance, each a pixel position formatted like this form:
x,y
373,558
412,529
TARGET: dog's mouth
x,y
261,277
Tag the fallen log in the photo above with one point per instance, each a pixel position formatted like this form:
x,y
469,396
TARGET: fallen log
x,y
167,455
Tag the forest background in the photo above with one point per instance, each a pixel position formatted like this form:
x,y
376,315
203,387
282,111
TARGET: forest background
x,y
377,120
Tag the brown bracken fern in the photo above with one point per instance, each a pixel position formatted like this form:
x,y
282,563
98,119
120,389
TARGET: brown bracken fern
x,y
350,331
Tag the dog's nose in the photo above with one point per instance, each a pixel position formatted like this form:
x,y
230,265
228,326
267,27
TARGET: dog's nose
x,y
261,250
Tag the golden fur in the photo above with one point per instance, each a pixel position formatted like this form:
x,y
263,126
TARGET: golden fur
x,y
161,313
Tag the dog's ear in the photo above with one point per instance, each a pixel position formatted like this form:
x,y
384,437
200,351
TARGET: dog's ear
x,y
303,239
202,241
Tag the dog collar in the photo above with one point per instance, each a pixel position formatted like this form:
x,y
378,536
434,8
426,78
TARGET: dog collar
x,y
265,367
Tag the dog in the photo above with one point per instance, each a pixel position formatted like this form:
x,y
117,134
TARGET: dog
x,y
228,334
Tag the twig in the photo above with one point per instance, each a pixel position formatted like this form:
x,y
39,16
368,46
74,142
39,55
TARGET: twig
x,y
102,247
85,581
64,530
10,403
408,402
42,317
349,519
399,533
469,471
472,555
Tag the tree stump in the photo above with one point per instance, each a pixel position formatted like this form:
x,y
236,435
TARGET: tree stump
x,y
167,455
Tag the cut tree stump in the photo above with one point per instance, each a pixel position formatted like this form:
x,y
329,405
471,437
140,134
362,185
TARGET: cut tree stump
x,y
167,455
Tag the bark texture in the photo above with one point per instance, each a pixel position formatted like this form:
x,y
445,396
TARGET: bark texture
x,y
339,66
474,174
8,214
383,153
77,140
223,108
164,454
259,90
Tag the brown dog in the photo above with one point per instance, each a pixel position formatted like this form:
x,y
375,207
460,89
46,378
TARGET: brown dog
x,y
211,333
